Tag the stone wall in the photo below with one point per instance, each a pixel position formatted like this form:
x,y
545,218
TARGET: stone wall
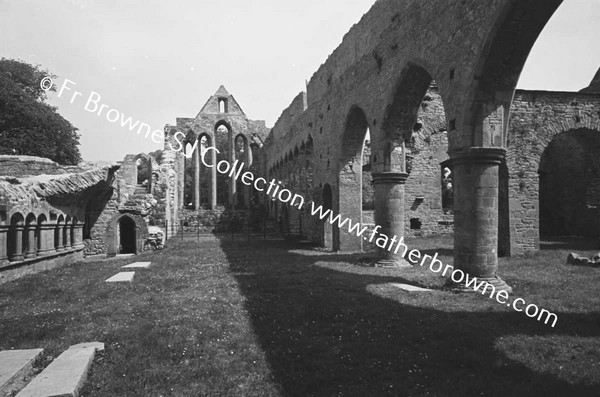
x,y
146,205
537,118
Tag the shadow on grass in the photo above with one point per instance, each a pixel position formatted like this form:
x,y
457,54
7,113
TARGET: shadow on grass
x,y
324,333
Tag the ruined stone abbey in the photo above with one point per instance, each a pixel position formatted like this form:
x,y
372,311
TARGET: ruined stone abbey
x,y
418,133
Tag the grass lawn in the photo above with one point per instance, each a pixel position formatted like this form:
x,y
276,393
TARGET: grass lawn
x,y
280,318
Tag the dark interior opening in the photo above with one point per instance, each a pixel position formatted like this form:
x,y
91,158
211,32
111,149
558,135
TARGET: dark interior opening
x,y
126,236
415,224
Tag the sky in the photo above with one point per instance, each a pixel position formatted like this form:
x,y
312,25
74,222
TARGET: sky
x,y
155,60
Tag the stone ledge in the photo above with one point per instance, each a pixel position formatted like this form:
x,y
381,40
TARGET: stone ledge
x,y
38,258
16,270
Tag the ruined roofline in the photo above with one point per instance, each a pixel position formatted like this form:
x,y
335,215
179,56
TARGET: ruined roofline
x,y
369,26
594,86
44,186
295,109
24,158
349,40
572,93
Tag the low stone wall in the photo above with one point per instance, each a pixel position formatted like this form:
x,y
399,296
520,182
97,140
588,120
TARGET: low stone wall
x,y
221,220
16,270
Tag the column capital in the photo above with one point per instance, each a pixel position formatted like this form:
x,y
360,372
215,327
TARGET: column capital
x,y
389,177
484,155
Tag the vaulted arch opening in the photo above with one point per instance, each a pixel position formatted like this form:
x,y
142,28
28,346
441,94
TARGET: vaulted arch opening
x,y
350,178
569,192
15,238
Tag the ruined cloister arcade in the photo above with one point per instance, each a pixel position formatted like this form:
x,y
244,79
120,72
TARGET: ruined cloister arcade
x,y
381,87
416,136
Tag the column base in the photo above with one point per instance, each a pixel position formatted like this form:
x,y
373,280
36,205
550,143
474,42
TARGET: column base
x,y
496,282
30,255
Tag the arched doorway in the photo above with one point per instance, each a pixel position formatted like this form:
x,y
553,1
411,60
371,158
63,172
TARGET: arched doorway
x,y
569,175
127,236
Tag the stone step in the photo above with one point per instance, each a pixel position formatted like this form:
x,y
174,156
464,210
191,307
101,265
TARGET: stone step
x,y
14,364
122,277
137,265
66,374
410,288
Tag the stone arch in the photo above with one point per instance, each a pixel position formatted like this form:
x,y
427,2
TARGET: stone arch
x,y
135,231
29,242
511,38
138,159
14,239
225,142
42,222
58,236
400,119
520,191
127,236
392,148
205,177
569,184
243,153
349,199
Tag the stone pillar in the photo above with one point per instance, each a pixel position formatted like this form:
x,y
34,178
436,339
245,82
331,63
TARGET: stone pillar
x,y
248,159
212,186
18,256
46,239
59,230
475,180
389,214
196,181
66,237
231,159
31,244
3,244
78,235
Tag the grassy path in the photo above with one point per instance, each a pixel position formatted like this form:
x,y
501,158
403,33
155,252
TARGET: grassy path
x,y
274,318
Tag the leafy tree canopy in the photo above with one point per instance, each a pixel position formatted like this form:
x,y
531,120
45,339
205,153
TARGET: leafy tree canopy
x,y
28,125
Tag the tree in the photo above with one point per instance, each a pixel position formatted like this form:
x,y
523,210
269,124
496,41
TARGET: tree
x,y
28,125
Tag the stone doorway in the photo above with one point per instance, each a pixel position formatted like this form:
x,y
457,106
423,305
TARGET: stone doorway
x,y
127,236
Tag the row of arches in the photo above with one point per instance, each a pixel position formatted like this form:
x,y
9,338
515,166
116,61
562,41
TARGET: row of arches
x,y
31,236
292,155
296,172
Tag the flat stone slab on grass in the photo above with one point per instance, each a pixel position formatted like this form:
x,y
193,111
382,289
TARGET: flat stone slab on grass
x,y
123,277
137,265
66,374
15,363
410,288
